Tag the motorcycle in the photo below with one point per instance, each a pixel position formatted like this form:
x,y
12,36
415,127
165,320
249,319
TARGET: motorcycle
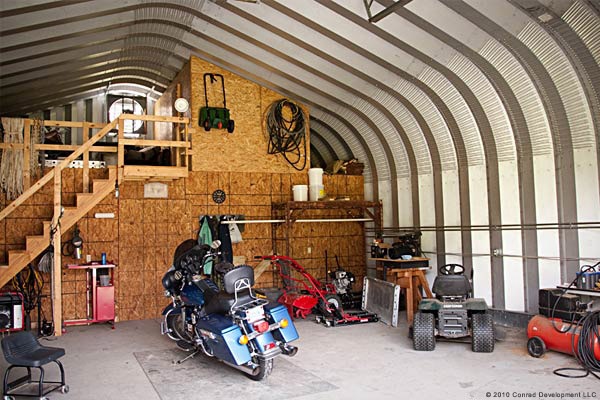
x,y
230,324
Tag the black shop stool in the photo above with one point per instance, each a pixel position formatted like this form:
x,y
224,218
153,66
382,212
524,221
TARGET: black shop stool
x,y
23,350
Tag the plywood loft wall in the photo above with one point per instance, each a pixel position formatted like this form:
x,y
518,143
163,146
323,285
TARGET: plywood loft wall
x,y
246,148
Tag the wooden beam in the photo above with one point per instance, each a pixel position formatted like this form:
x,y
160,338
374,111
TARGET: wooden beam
x,y
67,147
148,142
63,124
144,171
86,159
58,147
27,154
57,268
12,146
121,152
155,118
175,151
187,149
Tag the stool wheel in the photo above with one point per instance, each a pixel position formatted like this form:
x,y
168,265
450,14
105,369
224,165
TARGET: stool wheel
x,y
8,398
64,389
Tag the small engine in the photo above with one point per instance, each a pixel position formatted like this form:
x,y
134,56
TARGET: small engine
x,y
342,281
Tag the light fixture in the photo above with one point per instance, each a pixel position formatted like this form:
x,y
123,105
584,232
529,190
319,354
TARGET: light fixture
x,y
181,105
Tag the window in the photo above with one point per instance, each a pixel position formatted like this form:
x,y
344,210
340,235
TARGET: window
x,y
127,105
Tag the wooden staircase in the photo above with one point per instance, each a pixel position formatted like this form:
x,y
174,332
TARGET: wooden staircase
x,y
35,245
66,217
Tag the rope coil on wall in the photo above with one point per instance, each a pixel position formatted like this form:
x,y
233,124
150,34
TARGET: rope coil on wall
x,y
287,132
11,166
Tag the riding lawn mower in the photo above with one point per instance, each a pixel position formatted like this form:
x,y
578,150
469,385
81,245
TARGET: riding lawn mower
x,y
453,313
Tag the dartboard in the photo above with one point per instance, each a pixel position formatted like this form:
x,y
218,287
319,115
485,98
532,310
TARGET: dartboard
x,y
218,196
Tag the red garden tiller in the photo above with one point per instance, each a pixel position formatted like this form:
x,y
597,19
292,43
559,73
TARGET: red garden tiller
x,y
301,296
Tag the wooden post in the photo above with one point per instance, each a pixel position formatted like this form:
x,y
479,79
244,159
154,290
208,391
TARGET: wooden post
x,y
27,154
187,149
86,159
177,150
57,270
121,153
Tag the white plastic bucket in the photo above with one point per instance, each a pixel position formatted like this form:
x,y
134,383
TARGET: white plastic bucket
x,y
300,192
315,176
316,192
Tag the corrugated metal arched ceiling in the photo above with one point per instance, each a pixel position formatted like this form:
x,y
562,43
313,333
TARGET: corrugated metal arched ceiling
x,y
438,88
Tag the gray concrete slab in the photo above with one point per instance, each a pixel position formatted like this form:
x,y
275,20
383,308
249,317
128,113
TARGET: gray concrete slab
x,y
371,361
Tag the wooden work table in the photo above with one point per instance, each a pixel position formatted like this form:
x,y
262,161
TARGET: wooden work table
x,y
412,280
385,264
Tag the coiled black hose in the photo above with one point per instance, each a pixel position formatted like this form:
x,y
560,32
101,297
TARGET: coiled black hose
x,y
287,136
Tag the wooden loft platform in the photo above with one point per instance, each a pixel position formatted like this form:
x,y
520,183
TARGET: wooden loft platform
x,y
144,172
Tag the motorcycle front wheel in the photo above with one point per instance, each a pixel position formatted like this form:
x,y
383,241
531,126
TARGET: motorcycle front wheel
x,y
265,367
176,330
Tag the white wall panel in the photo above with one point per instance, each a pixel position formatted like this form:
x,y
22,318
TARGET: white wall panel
x,y
427,214
588,202
453,240
546,212
482,266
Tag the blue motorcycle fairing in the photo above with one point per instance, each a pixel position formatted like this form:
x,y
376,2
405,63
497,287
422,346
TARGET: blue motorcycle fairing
x,y
277,312
223,338
191,295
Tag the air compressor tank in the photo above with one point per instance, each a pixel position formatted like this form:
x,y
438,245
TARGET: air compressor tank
x,y
543,336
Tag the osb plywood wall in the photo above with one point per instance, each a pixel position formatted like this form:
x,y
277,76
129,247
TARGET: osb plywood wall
x,y
142,237
217,150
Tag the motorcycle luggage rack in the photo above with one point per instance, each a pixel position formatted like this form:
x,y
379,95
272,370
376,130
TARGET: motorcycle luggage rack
x,y
243,284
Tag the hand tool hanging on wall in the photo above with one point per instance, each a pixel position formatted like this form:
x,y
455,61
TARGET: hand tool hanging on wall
x,y
286,129
74,247
215,117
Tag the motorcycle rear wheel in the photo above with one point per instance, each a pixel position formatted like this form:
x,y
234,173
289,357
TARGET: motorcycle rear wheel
x,y
265,368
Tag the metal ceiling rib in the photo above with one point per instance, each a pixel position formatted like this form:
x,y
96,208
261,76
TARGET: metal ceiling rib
x,y
357,143
339,146
528,99
326,153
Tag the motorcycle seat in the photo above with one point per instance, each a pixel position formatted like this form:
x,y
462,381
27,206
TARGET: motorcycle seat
x,y
222,302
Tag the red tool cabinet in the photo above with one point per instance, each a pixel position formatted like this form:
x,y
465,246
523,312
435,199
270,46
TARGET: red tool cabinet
x,y
100,299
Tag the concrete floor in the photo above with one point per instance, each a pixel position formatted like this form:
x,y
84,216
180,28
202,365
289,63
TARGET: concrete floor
x,y
372,361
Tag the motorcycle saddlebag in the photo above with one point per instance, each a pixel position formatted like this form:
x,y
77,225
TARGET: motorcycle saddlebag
x,y
278,312
222,337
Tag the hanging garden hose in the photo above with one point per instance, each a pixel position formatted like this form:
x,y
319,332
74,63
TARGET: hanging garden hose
x,y
287,134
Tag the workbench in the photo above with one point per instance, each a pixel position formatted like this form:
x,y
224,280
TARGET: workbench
x,y
100,305
384,264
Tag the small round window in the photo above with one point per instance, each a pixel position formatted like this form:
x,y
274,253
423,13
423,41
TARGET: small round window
x,y
126,106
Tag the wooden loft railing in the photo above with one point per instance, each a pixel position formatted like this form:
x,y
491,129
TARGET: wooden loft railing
x,y
64,218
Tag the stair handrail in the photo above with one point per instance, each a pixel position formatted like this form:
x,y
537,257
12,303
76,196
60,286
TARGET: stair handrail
x,y
46,178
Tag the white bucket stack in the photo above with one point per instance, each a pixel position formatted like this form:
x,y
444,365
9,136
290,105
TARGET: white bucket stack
x,y
315,181
300,192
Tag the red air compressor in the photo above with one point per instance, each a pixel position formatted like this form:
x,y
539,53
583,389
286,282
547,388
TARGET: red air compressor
x,y
543,336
